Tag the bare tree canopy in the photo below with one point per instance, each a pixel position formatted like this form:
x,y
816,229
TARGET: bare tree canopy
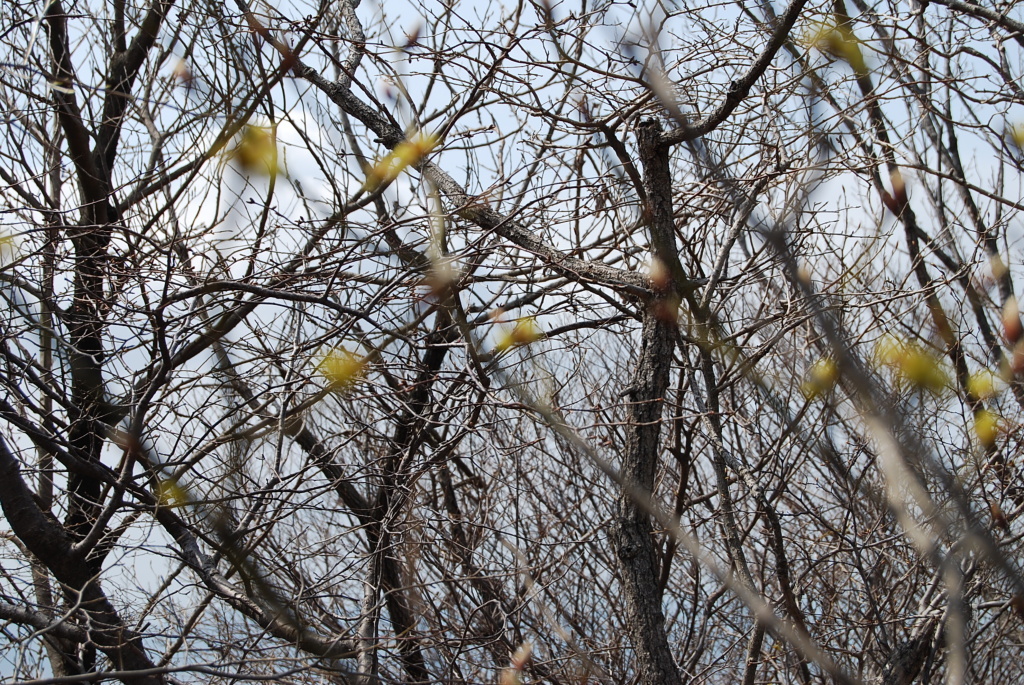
x,y
467,342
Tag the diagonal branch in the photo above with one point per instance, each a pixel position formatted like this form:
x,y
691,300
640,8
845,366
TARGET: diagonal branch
x,y
998,18
49,542
472,209
740,88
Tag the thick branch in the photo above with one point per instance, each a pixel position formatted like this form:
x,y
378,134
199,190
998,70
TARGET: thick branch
x,y
740,88
69,113
1015,28
633,536
121,74
48,541
34,619
471,208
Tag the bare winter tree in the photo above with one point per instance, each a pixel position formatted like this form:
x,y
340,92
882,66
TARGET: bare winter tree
x,y
462,342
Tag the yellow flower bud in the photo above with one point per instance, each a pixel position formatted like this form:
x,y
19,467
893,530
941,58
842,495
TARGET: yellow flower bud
x,y
982,385
8,247
821,377
256,151
1015,132
838,39
914,364
986,427
524,332
170,493
341,368
407,153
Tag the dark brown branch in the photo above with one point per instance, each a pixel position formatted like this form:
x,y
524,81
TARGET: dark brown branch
x,y
473,209
63,629
122,71
69,113
49,542
1000,19
740,88
633,535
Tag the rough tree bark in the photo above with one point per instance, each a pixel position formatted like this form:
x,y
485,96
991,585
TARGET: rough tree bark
x,y
638,566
